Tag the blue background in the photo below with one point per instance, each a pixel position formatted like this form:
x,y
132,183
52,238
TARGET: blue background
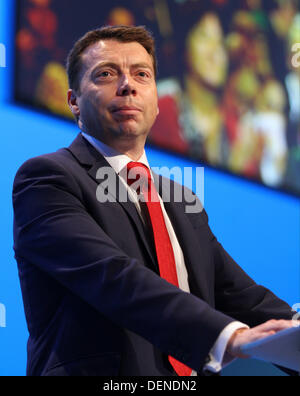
x,y
259,227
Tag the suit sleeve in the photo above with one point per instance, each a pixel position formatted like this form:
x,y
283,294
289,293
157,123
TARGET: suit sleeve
x,y
238,295
54,232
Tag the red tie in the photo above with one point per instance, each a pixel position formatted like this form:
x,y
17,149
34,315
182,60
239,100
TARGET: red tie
x,y
140,174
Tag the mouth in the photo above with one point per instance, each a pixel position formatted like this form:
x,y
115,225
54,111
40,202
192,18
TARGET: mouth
x,y
126,110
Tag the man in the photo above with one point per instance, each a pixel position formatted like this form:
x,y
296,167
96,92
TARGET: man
x,y
97,298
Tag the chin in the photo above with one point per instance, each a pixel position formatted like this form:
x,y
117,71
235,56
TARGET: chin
x,y
130,134
130,131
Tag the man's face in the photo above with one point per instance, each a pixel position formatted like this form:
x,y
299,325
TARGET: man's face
x,y
118,96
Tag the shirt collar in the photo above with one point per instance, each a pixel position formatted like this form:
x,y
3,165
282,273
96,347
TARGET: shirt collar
x,y
116,160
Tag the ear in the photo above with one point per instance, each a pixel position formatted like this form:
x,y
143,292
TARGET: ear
x,y
157,111
73,103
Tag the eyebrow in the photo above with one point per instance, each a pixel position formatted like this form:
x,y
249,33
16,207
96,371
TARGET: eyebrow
x,y
117,67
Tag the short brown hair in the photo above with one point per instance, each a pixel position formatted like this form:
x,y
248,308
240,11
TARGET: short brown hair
x,y
120,33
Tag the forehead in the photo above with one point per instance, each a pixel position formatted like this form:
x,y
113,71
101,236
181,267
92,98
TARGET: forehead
x,y
116,52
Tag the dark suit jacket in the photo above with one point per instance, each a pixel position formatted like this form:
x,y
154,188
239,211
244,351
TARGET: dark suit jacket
x,y
94,302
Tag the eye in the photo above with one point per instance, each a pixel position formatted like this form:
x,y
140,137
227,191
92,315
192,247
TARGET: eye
x,y
143,74
104,74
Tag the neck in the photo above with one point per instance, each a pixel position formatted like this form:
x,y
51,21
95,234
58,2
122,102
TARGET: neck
x,y
129,147
132,146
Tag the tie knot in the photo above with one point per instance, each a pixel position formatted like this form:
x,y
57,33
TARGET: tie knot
x,y
137,171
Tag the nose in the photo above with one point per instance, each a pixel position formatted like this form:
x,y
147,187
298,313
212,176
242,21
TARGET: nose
x,y
126,87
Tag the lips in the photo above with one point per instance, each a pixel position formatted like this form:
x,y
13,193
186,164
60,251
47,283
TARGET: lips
x,y
125,109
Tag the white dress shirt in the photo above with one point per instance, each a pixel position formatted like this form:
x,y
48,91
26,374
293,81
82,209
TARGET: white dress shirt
x,y
119,162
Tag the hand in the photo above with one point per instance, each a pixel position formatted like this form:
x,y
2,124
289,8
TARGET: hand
x,y
244,336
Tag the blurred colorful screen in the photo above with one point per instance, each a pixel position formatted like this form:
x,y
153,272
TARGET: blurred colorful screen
x,y
228,82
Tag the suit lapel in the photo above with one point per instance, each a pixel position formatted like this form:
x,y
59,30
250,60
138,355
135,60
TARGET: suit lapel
x,y
193,251
90,158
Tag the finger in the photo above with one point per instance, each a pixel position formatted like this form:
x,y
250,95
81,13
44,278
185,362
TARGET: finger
x,y
275,325
261,335
268,333
237,349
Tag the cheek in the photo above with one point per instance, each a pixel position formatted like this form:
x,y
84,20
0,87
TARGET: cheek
x,y
93,104
152,103
155,109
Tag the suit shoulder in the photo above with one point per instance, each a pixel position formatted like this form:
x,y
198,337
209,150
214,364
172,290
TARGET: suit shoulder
x,y
50,161
47,166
